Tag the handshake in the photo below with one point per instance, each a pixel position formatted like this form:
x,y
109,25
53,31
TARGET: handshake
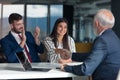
x,y
64,53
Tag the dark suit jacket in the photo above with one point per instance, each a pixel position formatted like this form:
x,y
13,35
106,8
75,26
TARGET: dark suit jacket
x,y
10,47
103,63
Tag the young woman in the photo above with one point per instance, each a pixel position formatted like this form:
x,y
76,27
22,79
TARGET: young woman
x,y
59,39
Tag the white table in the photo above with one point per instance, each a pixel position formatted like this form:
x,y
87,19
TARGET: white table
x,y
15,71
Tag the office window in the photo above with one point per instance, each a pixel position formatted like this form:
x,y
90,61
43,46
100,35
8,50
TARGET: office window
x,y
83,30
37,16
56,11
7,10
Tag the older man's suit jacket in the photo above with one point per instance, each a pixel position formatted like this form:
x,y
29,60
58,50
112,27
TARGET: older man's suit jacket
x,y
103,63
10,47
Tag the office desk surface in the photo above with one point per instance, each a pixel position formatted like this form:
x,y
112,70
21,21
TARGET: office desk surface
x,y
15,71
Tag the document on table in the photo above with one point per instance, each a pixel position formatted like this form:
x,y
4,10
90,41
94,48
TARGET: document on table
x,y
74,63
54,65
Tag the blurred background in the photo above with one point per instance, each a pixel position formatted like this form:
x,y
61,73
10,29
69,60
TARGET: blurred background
x,y
43,13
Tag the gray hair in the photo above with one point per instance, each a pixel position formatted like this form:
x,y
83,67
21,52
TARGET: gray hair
x,y
104,18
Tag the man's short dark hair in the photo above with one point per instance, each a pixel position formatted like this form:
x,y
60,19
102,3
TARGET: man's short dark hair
x,y
14,16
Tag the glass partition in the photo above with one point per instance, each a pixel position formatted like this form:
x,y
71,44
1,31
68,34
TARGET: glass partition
x,y
56,11
83,30
37,16
43,16
7,10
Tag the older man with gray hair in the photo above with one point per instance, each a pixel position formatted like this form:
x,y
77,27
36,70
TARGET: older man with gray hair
x,y
103,63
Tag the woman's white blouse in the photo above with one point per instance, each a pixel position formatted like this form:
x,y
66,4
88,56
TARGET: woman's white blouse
x,y
52,56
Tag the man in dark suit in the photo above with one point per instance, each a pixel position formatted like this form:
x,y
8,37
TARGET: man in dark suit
x,y
103,63
19,40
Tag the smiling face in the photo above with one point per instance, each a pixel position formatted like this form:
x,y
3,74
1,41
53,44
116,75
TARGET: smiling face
x,y
61,29
17,26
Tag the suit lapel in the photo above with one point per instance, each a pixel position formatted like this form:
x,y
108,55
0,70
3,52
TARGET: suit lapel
x,y
12,38
95,40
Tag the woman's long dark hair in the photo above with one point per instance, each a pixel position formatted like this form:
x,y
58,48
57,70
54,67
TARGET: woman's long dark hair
x,y
53,35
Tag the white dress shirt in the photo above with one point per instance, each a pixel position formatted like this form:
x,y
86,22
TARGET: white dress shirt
x,y
17,38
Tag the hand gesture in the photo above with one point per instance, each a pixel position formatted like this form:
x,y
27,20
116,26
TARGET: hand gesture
x,y
62,66
36,35
37,32
63,61
58,51
23,38
64,53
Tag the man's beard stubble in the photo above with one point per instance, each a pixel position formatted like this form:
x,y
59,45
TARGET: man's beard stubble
x,y
16,31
